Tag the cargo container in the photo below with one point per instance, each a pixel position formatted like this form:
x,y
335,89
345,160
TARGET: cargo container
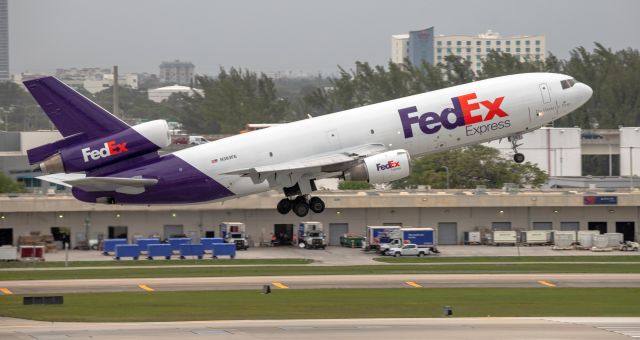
x,y
508,237
600,242
376,235
422,237
224,249
535,237
615,240
127,250
472,237
568,234
109,245
195,250
585,238
8,253
155,250
564,239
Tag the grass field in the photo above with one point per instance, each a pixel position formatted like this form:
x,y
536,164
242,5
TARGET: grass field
x,y
143,263
199,271
330,303
472,259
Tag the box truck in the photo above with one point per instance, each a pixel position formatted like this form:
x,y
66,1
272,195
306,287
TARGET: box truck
x,y
376,235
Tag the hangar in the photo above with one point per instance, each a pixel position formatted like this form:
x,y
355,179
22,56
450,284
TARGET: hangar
x,y
450,212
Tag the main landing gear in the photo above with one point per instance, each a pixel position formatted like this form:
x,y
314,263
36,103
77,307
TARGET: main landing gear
x,y
301,205
517,157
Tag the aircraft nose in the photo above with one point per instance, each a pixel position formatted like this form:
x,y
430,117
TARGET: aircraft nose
x,y
584,92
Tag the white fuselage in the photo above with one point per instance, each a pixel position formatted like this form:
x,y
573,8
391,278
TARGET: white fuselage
x,y
528,102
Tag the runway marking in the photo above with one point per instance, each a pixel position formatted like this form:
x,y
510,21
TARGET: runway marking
x,y
413,284
6,291
147,288
545,283
279,285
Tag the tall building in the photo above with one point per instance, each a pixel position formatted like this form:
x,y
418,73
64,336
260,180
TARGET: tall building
x,y
176,72
424,46
4,40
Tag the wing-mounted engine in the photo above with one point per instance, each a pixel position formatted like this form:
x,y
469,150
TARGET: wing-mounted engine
x,y
381,168
75,154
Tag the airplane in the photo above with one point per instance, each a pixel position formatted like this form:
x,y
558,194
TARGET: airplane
x,y
104,160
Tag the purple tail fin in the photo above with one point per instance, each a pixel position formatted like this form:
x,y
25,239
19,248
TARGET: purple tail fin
x,y
71,112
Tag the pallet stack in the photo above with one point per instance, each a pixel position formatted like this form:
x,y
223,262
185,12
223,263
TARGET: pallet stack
x,y
35,239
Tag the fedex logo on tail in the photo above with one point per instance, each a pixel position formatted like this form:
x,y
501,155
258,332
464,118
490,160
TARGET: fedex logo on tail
x,y
465,112
110,148
387,166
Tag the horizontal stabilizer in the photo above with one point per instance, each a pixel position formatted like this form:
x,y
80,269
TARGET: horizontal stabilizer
x,y
118,184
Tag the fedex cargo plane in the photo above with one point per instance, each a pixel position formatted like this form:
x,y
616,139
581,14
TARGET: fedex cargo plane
x,y
105,160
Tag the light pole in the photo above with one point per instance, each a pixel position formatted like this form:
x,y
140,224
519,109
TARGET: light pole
x,y
446,169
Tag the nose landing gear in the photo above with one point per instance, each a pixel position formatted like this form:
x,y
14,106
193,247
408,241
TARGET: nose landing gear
x,y
301,205
517,157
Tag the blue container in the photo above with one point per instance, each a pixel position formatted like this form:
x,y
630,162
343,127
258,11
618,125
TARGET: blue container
x,y
144,242
209,241
159,250
176,242
109,245
222,249
127,250
191,250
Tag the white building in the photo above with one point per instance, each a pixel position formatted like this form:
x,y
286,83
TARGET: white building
x,y
556,151
106,81
399,48
163,93
629,151
473,48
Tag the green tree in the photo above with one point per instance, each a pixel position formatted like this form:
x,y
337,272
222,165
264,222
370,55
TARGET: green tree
x,y
615,80
469,167
233,99
354,185
8,185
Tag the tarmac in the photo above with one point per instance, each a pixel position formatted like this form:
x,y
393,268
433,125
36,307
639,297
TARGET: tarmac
x,y
436,328
413,281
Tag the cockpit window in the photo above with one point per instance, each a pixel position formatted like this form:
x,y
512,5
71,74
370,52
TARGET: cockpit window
x,y
567,83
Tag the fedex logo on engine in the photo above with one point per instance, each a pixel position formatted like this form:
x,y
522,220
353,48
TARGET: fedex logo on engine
x,y
110,148
388,165
465,112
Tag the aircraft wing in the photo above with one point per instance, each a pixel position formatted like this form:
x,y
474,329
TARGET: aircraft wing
x,y
318,166
118,184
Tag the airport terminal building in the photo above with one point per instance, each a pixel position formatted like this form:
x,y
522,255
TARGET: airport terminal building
x,y
450,212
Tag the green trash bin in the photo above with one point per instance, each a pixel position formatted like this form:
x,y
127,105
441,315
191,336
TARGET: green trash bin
x,y
351,241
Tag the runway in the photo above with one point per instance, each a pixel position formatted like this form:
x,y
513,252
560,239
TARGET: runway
x,y
441,328
324,281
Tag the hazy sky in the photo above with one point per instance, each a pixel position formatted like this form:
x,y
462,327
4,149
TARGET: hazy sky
x,y
310,36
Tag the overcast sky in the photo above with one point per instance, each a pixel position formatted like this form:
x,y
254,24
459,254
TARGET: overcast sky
x,y
309,36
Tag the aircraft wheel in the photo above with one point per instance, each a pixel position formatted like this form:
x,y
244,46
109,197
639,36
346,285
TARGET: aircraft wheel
x,y
316,204
518,158
301,208
284,206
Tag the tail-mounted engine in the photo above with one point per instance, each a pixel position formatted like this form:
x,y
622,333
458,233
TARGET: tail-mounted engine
x,y
87,155
381,168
